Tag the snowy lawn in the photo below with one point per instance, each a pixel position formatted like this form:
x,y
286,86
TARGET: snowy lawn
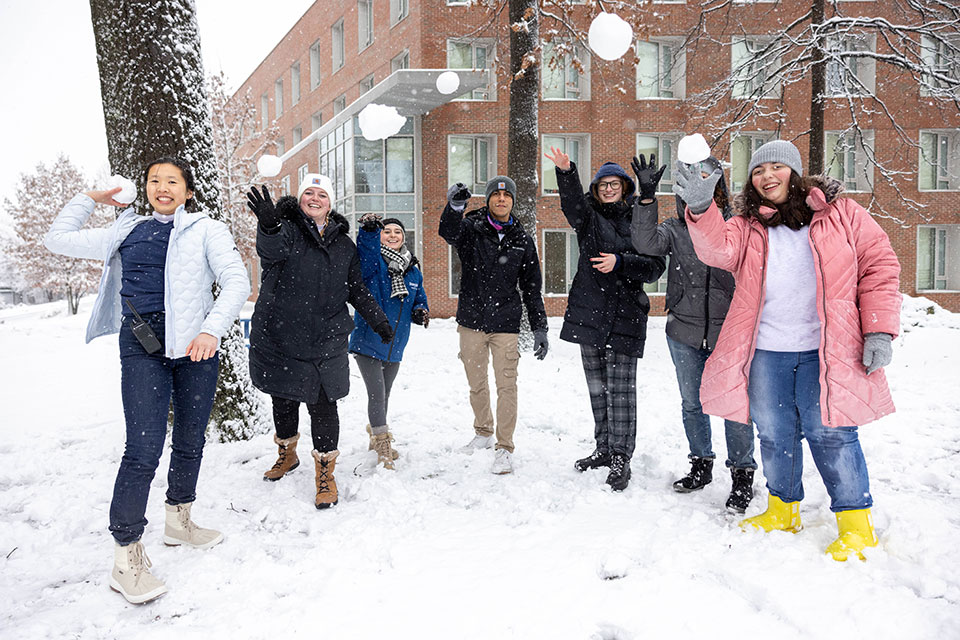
x,y
442,548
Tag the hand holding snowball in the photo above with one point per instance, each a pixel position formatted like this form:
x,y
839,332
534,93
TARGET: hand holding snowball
x,y
559,158
106,197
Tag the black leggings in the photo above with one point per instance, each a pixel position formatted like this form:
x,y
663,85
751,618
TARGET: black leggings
x,y
324,421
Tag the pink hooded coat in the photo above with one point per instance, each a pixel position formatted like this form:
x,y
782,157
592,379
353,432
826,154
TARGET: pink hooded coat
x,y
857,293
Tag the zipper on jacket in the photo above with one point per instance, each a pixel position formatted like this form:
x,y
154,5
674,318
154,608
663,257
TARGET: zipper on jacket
x,y
706,311
823,343
756,324
394,339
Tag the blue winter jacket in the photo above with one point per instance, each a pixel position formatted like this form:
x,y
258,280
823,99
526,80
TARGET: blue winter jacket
x,y
363,340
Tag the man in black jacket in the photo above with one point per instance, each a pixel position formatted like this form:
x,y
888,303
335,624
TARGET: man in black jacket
x,y
499,267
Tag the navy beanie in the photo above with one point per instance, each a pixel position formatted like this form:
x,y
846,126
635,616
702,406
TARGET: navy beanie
x,y
613,169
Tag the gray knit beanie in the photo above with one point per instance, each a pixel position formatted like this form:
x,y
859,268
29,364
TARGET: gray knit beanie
x,y
501,183
777,151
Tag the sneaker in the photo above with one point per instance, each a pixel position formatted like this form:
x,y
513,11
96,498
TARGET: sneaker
x,y
502,462
478,442
131,575
593,461
619,475
742,491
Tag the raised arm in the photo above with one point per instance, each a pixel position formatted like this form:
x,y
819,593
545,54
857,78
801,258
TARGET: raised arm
x,y
67,235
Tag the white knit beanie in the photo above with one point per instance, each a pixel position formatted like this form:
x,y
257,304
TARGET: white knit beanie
x,y
316,180
777,151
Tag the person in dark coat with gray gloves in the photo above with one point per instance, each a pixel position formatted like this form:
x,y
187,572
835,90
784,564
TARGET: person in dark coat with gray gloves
x,y
697,300
301,325
607,307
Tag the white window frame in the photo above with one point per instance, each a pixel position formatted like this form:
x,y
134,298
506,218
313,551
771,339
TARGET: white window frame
x,y
366,84
488,93
285,185
570,270
399,9
935,54
945,169
294,83
576,85
315,73
839,70
663,138
278,96
296,135
474,140
845,151
281,146
458,3
264,111
583,161
337,48
364,24
400,61
673,82
302,172
945,266
316,121
659,286
742,49
755,139
339,103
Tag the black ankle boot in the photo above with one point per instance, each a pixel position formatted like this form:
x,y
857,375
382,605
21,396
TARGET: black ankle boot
x,y
592,461
742,492
619,474
701,474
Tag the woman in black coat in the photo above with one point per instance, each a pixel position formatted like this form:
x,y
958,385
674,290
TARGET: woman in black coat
x,y
607,307
301,325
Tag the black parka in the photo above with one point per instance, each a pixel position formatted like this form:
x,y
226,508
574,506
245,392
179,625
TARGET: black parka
x,y
492,270
300,325
698,296
605,309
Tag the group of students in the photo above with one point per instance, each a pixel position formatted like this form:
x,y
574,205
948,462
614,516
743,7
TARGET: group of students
x,y
782,306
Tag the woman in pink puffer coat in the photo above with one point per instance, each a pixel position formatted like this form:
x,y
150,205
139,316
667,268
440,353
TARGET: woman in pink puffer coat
x,y
808,331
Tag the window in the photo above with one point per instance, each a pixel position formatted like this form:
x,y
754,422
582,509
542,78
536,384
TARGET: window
x,y
664,145
660,70
939,59
939,160
278,96
471,160
297,135
560,255
850,75
458,3
741,149
339,104
752,69
366,84
315,65
399,9
294,83
281,147
315,121
336,38
660,286
575,146
302,172
472,54
565,72
285,185
364,23
846,156
264,111
937,266
402,61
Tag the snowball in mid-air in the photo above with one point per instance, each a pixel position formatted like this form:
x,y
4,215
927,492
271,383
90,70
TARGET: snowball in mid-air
x,y
269,166
128,190
448,82
693,149
378,121
610,36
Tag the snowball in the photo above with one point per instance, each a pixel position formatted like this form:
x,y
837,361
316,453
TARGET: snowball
x,y
448,82
610,36
693,149
269,166
378,121
613,566
128,190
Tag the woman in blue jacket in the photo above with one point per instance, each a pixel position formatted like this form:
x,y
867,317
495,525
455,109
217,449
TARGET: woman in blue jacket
x,y
391,274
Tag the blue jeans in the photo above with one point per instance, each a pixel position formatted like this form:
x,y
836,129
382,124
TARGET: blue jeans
x,y
688,362
147,384
784,394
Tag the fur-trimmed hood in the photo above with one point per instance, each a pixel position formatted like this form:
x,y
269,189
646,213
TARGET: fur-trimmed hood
x,y
830,187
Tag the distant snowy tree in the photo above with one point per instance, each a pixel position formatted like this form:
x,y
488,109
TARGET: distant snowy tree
x,y
155,104
39,196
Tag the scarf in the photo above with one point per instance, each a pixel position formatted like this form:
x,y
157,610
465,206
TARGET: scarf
x,y
397,263
499,225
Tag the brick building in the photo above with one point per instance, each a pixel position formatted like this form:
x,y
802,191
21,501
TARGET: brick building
x,y
344,54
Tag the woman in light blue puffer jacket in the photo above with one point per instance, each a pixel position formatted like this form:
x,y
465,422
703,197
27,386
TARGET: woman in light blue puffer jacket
x,y
156,290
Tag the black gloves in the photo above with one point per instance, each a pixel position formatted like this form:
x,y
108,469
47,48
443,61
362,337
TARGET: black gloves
x,y
420,316
262,207
540,344
648,176
385,331
370,222
457,195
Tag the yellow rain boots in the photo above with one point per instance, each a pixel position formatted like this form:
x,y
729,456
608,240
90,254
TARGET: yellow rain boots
x,y
779,516
856,533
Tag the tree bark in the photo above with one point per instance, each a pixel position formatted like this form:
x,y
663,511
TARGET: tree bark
x,y
818,88
523,148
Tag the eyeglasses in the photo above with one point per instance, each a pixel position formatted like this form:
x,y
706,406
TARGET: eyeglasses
x,y
609,186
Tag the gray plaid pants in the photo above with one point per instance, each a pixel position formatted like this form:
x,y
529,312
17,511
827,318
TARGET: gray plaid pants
x,y
612,383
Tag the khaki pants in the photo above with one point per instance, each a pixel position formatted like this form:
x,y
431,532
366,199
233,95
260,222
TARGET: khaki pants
x,y
474,349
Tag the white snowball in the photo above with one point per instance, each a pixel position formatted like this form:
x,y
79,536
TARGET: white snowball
x,y
378,121
610,36
128,190
693,149
448,82
269,166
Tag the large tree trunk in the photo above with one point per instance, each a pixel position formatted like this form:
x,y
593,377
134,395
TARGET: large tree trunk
x,y
524,148
818,88
155,104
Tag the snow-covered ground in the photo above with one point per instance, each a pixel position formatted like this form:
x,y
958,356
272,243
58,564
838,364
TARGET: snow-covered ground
x,y
442,548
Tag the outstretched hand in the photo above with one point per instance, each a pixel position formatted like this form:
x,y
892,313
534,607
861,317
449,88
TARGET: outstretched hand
x,y
262,206
648,176
695,189
559,159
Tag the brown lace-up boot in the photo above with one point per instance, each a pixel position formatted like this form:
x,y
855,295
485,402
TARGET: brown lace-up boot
x,y
381,444
393,452
287,459
326,483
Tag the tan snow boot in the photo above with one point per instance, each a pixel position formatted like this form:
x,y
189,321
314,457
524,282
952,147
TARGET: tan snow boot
x,y
287,459
180,529
326,483
381,444
393,452
131,575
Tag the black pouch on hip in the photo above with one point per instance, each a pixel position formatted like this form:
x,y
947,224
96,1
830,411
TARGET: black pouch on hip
x,y
143,333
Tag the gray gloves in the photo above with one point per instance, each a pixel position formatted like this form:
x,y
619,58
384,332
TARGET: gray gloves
x,y
877,351
694,189
540,344
457,196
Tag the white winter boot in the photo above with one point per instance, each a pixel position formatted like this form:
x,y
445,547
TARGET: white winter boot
x,y
180,529
131,575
